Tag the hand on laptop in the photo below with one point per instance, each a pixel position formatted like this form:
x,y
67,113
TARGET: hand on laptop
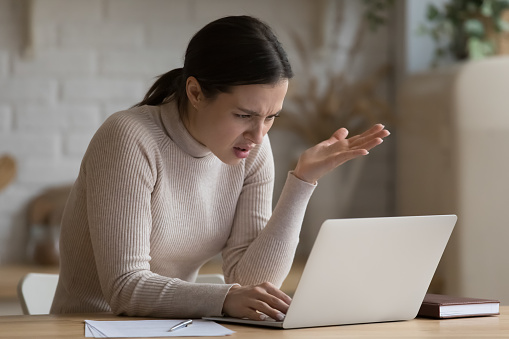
x,y
329,154
249,301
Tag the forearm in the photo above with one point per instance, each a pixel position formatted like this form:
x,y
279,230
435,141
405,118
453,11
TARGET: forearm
x,y
149,294
270,255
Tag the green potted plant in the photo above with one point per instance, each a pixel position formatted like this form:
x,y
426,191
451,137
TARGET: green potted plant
x,y
468,29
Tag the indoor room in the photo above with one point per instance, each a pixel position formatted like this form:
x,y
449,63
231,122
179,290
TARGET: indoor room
x,y
429,78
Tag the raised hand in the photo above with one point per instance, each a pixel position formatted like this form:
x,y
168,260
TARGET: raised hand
x,y
320,159
249,301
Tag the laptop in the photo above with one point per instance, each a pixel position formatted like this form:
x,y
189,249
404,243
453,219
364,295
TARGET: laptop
x,y
364,271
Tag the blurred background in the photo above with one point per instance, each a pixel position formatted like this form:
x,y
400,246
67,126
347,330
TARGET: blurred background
x,y
436,73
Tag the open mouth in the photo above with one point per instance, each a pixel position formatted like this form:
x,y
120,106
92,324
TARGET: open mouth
x,y
241,152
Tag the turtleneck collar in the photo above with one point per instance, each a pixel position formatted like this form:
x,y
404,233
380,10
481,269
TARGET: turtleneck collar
x,y
178,132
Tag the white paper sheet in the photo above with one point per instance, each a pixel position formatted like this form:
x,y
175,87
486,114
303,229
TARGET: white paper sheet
x,y
152,328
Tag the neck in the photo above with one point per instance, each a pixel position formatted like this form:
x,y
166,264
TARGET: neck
x,y
187,118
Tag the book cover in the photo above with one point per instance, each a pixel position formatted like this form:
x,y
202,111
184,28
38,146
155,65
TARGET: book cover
x,y
444,306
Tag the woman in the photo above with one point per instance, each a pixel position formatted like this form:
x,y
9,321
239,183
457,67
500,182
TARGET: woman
x,y
186,174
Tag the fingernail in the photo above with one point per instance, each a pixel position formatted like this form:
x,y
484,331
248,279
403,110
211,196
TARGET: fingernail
x,y
280,317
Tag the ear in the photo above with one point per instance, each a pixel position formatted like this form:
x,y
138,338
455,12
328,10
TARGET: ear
x,y
194,92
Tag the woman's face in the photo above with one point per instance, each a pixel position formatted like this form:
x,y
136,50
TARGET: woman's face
x,y
231,124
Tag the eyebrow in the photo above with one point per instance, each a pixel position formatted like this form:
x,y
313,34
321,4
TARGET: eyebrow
x,y
248,111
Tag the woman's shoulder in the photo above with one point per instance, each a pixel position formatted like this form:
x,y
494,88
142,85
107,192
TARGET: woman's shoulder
x,y
136,123
127,132
135,117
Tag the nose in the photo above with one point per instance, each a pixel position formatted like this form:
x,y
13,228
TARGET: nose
x,y
256,133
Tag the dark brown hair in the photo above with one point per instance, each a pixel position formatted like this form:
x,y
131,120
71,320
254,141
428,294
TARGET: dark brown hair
x,y
231,51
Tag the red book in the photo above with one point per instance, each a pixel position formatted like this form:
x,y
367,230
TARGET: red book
x,y
443,306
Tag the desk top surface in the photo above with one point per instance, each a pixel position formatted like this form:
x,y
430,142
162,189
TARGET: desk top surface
x,y
72,326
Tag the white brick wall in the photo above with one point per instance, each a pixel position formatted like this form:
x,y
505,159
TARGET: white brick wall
x,y
175,34
68,11
45,36
93,58
57,172
4,62
58,118
75,144
150,10
57,63
28,89
5,119
25,145
145,63
266,9
294,12
101,89
102,35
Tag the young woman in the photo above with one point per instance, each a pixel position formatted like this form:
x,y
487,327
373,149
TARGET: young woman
x,y
186,174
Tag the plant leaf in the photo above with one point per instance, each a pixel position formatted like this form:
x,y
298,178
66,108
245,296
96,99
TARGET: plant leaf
x,y
474,27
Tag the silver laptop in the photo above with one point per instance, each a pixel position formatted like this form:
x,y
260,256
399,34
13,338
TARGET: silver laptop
x,y
365,270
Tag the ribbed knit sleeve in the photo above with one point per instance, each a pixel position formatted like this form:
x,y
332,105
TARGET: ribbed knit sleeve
x,y
121,169
262,243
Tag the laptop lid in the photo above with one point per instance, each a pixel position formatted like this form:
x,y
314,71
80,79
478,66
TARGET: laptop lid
x,y
366,270
369,270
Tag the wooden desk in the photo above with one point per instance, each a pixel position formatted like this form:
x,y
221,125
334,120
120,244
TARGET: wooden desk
x,y
72,326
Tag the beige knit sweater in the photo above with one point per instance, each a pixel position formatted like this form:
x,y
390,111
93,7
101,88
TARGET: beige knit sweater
x,y
151,205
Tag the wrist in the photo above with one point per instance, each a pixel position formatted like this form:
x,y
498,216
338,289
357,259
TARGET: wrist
x,y
228,294
301,177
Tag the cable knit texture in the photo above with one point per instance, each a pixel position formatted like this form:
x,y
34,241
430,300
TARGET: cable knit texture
x,y
151,205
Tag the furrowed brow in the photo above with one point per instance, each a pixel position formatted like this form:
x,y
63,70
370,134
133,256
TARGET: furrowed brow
x,y
254,113
248,111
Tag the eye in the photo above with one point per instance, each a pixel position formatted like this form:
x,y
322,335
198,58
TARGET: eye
x,y
243,116
272,117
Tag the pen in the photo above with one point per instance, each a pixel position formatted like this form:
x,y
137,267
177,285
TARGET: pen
x,y
182,324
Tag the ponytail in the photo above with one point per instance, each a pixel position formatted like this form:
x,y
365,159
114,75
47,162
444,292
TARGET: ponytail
x,y
169,86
